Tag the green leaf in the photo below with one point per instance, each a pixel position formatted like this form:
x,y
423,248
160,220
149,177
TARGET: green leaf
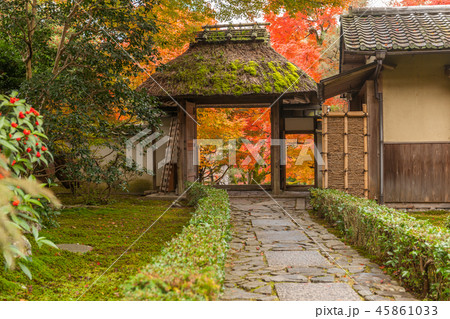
x,y
47,242
25,270
8,145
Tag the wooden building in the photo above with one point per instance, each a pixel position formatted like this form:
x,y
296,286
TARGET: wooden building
x,y
230,66
395,72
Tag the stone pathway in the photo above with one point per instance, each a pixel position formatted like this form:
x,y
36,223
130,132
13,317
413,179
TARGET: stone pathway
x,y
272,258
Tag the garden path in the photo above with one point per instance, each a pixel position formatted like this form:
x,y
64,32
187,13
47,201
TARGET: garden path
x,y
279,253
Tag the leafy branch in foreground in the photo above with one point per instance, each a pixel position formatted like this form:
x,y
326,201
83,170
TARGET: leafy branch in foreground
x,y
23,200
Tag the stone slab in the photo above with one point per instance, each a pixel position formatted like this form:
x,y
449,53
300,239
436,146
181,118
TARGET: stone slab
x,y
239,294
296,259
271,222
316,292
300,203
75,248
270,236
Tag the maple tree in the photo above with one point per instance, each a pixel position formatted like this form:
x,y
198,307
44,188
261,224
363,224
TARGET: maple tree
x,y
177,26
310,39
407,3
300,159
243,145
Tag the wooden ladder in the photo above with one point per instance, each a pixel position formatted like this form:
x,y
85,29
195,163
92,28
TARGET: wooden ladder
x,y
170,152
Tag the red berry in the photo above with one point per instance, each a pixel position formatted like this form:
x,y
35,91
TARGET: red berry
x,y
13,162
10,135
14,124
16,202
13,100
37,144
29,149
37,122
21,115
18,139
43,148
26,132
38,154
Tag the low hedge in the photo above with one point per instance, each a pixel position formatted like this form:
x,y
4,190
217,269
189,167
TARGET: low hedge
x,y
191,266
415,250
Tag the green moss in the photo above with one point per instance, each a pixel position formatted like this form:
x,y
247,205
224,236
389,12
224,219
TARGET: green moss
x,y
256,88
251,68
199,57
218,76
109,229
238,90
223,82
236,65
435,217
280,83
272,66
292,68
267,87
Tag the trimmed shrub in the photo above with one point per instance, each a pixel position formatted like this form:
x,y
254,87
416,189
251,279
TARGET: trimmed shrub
x,y
191,266
414,250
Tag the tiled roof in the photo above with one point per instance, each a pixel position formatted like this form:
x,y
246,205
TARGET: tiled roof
x,y
397,29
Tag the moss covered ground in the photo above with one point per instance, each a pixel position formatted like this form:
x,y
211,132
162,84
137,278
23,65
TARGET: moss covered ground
x,y
110,229
435,217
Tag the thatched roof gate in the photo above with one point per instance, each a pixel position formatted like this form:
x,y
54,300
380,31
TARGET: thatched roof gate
x,y
232,66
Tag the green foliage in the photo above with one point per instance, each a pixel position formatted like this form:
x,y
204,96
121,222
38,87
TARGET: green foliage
x,y
447,222
416,251
77,60
12,69
251,9
24,203
191,266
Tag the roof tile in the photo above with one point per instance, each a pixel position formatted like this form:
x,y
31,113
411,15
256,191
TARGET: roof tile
x,y
397,29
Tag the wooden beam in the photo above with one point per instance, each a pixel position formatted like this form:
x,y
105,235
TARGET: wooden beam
x,y
233,105
275,149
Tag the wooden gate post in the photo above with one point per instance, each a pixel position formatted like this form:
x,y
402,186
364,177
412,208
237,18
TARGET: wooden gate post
x,y
191,125
275,155
181,157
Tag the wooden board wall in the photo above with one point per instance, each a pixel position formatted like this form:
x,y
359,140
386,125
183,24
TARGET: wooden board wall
x,y
417,172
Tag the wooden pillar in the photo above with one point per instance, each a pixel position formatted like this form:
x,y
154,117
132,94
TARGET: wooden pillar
x,y
283,150
373,140
346,149
181,151
191,125
325,146
366,154
275,149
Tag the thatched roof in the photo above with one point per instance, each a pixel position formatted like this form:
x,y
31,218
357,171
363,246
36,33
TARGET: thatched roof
x,y
229,64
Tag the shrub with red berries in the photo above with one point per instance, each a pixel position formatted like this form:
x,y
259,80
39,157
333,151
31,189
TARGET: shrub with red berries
x,y
22,135
22,197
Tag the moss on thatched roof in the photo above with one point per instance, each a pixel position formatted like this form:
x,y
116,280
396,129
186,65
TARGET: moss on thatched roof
x,y
231,69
